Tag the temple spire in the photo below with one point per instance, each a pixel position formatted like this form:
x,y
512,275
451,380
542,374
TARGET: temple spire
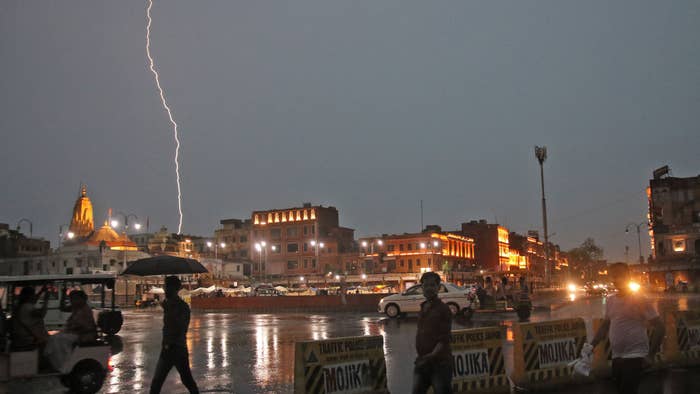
x,y
82,223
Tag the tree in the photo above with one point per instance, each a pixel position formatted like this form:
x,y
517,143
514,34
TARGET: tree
x,y
585,258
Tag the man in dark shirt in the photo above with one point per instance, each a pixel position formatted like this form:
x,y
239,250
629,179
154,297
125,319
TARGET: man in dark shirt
x,y
176,319
433,366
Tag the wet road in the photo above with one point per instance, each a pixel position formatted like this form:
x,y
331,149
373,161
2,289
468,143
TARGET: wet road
x,y
254,353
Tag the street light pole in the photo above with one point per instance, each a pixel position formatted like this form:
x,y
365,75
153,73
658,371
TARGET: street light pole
x,y
264,250
31,225
639,238
126,217
62,236
317,246
216,253
541,154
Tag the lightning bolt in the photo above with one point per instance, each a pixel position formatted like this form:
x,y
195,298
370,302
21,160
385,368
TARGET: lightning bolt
x,y
167,109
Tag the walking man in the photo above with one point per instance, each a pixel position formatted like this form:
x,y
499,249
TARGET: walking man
x,y
176,319
627,315
433,367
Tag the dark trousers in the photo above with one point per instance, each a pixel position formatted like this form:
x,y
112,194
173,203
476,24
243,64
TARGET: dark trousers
x,y
173,356
627,372
438,375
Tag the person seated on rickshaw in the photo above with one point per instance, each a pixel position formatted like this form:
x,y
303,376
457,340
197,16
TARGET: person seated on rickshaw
x,y
28,330
80,328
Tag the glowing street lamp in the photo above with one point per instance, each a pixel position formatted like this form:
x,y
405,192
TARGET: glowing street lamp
x,y
317,246
115,223
63,235
261,247
216,247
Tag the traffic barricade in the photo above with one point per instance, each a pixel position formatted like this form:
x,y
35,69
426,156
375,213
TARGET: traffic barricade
x,y
602,354
683,333
543,351
341,365
478,365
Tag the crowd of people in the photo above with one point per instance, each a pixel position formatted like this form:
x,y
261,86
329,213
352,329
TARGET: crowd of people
x,y
489,291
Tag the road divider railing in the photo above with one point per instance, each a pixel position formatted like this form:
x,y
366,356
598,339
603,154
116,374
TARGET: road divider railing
x,y
543,352
341,365
478,363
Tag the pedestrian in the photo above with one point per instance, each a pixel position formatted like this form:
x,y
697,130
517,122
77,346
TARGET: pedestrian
x,y
433,366
524,293
176,319
627,316
507,289
490,298
28,330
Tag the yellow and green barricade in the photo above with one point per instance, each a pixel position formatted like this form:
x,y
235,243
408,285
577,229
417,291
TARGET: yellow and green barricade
x,y
684,337
341,365
543,351
478,365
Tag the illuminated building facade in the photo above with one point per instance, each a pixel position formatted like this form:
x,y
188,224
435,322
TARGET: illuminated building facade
x,y
293,242
492,245
416,253
674,220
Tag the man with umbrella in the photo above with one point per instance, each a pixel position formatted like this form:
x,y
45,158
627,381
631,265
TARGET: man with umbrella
x,y
176,319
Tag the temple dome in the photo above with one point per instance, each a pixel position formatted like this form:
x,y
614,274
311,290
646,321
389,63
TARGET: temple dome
x,y
111,239
82,224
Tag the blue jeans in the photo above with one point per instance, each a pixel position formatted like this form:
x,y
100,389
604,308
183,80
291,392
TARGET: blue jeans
x,y
438,375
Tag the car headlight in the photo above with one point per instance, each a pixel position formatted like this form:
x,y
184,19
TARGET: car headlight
x,y
634,286
572,287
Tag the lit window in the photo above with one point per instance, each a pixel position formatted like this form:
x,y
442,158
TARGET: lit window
x,y
679,245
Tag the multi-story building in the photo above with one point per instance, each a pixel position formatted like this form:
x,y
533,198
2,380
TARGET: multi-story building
x,y
15,244
299,241
492,245
232,240
431,250
164,242
674,219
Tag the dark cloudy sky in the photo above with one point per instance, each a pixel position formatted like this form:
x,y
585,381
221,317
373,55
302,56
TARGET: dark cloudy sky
x,y
369,106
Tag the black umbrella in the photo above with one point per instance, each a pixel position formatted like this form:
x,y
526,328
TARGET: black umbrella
x,y
165,265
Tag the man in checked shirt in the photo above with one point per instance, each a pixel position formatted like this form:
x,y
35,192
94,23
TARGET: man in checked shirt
x,y
433,366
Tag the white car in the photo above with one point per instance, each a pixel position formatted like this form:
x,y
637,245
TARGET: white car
x,y
457,298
